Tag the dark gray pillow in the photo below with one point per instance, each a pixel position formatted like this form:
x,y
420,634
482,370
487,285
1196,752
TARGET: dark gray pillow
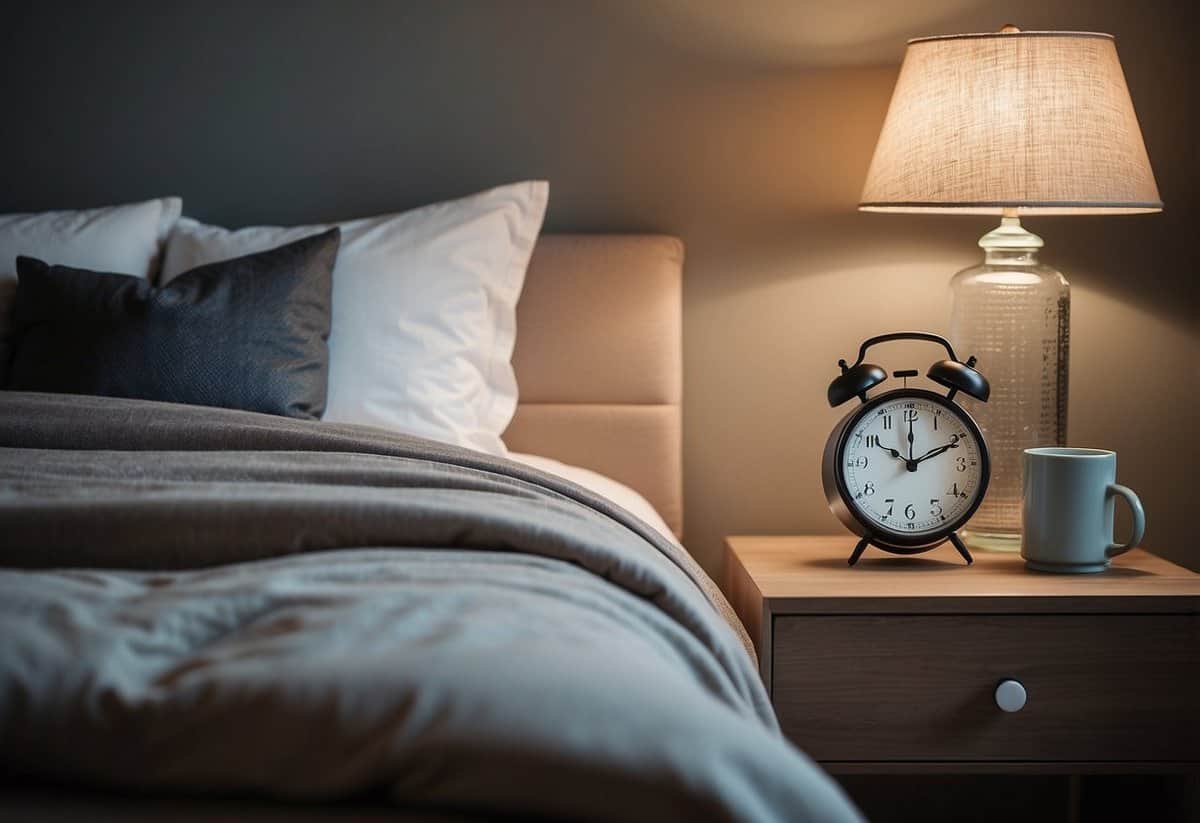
x,y
248,333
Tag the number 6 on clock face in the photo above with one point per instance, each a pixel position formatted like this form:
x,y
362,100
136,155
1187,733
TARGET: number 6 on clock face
x,y
911,466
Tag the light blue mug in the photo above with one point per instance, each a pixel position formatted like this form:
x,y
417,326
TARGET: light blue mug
x,y
1067,510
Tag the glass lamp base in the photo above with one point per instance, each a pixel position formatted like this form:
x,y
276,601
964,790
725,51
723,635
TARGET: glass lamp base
x,y
991,541
1013,314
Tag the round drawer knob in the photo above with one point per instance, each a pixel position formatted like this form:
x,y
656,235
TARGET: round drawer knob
x,y
1010,696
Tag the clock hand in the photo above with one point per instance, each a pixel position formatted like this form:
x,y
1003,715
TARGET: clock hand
x,y
933,453
910,440
892,452
953,444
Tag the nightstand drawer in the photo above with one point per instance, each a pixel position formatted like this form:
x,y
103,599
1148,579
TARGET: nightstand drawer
x,y
922,687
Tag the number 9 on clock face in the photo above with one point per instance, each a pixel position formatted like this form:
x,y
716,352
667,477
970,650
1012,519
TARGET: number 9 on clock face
x,y
911,466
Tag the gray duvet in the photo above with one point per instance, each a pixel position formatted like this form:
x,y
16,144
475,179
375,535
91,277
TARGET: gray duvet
x,y
204,600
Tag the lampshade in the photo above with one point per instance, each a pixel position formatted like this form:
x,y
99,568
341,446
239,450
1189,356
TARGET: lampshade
x,y
1039,122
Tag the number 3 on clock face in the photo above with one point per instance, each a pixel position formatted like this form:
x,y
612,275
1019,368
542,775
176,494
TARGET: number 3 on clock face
x,y
911,466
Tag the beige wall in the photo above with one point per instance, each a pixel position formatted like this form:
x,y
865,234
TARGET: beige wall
x,y
743,126
784,277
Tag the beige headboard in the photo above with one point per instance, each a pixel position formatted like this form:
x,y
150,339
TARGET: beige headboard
x,y
599,361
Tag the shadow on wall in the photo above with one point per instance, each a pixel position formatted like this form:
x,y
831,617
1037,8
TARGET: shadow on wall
x,y
806,33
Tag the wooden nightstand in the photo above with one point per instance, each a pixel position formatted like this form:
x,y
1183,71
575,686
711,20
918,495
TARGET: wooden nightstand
x,y
893,666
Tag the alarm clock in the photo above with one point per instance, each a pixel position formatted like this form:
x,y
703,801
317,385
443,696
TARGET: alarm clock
x,y
905,469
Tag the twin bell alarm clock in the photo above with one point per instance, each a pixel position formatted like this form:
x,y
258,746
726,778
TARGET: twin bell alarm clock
x,y
906,468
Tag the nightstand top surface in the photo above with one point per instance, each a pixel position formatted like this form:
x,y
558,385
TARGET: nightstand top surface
x,y
792,572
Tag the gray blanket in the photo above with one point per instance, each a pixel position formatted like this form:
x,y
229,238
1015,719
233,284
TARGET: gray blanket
x,y
208,600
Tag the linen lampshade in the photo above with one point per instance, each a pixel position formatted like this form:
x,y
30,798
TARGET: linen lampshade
x,y
1035,122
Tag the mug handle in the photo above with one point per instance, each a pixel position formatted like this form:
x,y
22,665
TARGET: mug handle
x,y
1139,520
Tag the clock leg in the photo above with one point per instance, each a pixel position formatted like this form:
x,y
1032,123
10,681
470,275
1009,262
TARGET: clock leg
x,y
958,544
858,550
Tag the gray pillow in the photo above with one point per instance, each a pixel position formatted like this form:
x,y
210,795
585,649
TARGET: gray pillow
x,y
248,333
128,238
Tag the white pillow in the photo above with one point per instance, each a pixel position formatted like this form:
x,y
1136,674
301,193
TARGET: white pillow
x,y
424,310
124,239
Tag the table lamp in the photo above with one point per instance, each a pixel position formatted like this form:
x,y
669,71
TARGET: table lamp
x,y
1011,123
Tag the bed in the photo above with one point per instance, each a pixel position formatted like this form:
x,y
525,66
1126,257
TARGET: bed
x,y
217,614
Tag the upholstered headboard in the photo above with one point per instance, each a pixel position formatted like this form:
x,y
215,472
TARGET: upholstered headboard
x,y
599,361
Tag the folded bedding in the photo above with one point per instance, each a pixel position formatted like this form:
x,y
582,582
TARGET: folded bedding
x,y
624,496
206,600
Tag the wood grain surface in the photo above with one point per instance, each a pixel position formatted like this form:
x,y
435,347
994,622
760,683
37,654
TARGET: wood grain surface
x,y
921,687
808,574
892,665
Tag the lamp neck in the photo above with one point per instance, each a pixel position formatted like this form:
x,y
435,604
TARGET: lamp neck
x,y
1010,243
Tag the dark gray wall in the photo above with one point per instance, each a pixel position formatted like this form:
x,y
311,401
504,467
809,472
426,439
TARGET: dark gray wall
x,y
746,132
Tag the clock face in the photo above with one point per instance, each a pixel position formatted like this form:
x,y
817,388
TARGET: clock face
x,y
913,466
